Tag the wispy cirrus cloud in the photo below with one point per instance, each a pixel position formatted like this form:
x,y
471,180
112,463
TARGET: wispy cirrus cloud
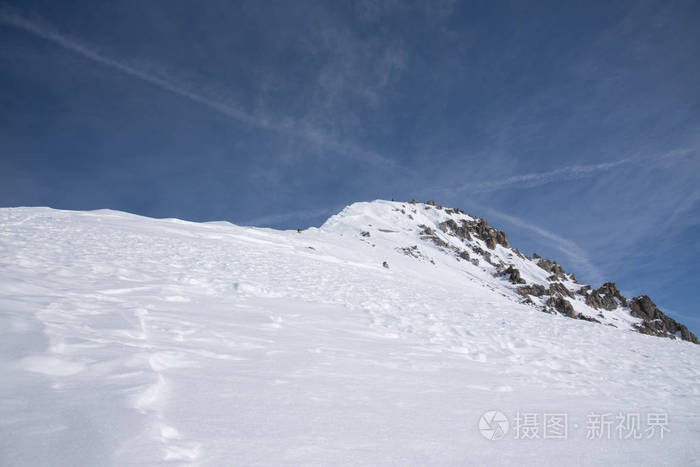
x,y
298,129
570,172
533,179
574,252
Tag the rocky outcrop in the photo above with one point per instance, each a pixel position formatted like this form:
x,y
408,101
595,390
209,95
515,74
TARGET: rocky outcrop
x,y
559,288
657,323
429,234
589,318
461,231
554,295
535,290
513,275
552,267
562,305
480,228
607,297
489,235
485,254
609,289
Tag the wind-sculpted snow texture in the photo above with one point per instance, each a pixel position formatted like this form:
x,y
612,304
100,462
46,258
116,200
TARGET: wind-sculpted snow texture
x,y
126,340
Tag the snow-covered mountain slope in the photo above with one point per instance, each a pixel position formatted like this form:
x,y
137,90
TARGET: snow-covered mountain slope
x,y
126,340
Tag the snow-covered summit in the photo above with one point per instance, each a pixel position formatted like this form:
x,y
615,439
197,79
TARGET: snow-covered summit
x,y
391,335
429,231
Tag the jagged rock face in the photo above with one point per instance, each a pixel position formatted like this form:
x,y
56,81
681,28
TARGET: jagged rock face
x,y
535,290
513,275
488,234
554,292
609,289
562,305
553,267
655,322
462,231
429,234
607,297
482,252
479,228
558,288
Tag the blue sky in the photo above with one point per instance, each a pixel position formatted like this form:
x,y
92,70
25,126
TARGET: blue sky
x,y
573,126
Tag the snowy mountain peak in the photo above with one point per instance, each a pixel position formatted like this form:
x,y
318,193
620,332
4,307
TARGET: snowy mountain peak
x,y
440,235
382,338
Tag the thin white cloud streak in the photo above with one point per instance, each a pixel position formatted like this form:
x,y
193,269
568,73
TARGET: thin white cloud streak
x,y
577,254
287,126
682,208
572,172
529,180
89,53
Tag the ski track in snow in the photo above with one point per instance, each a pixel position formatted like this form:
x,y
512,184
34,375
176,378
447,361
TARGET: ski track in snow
x,y
127,340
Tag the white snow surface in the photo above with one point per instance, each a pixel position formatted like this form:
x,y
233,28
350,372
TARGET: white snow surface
x,y
126,340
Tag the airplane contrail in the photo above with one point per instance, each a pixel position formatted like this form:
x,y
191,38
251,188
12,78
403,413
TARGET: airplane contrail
x,y
315,136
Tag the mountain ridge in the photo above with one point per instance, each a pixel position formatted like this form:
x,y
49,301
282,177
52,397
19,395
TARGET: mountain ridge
x,y
477,242
127,340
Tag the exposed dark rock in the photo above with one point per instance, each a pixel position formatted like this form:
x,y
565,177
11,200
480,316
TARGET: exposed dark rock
x,y
606,297
429,234
513,275
610,290
587,318
433,203
562,305
535,290
462,231
485,254
364,234
558,287
414,252
488,234
385,264
552,267
655,322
